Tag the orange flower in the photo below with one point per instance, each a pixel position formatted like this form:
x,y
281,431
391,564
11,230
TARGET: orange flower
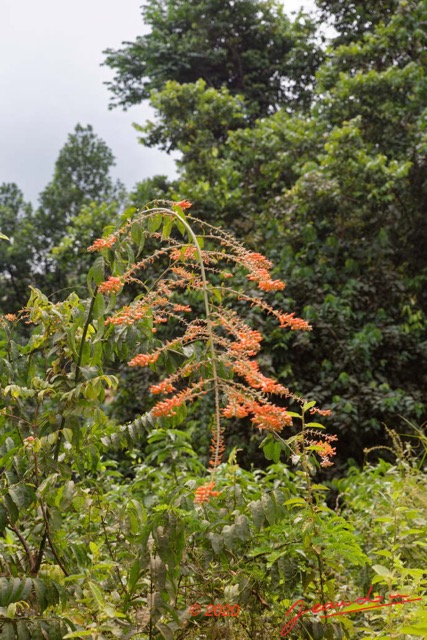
x,y
181,307
321,412
184,204
183,273
257,260
143,359
10,317
250,372
323,447
163,387
167,407
128,315
186,253
271,285
296,324
270,417
204,492
112,285
102,243
234,410
249,341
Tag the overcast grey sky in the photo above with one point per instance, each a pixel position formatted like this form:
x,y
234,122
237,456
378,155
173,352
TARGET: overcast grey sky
x,y
51,79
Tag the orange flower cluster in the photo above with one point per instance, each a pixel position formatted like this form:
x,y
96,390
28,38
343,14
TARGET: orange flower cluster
x,y
102,243
259,268
264,416
128,315
182,307
321,412
184,204
162,387
185,253
222,344
112,285
249,370
295,324
262,277
204,492
217,447
255,260
271,285
183,273
10,317
235,410
143,359
248,342
270,417
167,407
324,450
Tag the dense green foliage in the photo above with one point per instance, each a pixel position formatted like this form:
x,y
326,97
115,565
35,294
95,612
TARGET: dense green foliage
x,y
16,255
93,548
250,48
337,197
314,155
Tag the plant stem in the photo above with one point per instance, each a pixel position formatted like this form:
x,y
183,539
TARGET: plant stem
x,y
193,237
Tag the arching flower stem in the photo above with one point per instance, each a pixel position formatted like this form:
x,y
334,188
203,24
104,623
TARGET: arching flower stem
x,y
217,439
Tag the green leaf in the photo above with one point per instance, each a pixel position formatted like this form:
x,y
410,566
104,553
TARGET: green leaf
x,y
308,405
257,513
415,630
167,227
295,501
315,424
382,571
217,294
12,510
272,449
216,541
99,307
154,222
200,241
8,631
3,518
97,594
96,273
136,233
166,632
41,593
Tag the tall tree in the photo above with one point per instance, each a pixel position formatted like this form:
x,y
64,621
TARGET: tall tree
x,y
16,256
82,176
352,19
250,47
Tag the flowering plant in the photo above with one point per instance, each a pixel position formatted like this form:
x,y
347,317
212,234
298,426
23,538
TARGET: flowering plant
x,y
216,349
77,535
